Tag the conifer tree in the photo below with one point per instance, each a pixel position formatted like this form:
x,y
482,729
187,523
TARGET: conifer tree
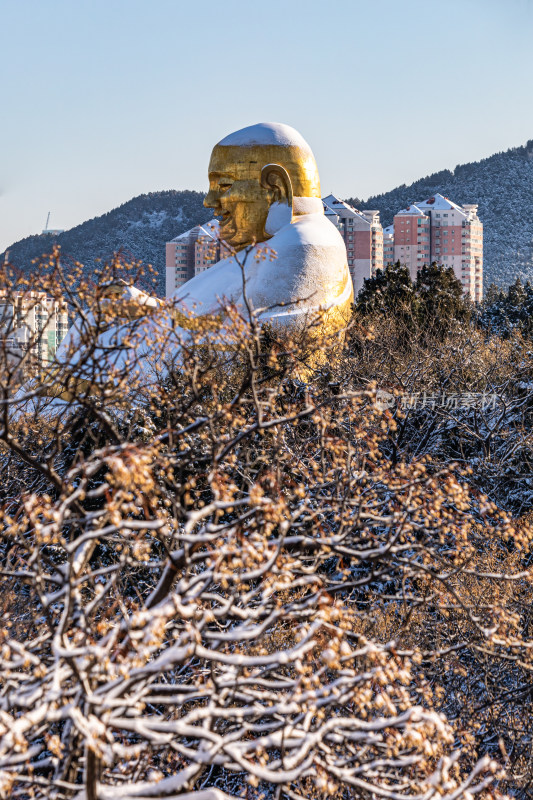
x,y
440,296
390,290
433,302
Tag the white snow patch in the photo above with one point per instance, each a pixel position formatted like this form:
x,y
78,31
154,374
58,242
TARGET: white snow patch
x,y
279,215
266,133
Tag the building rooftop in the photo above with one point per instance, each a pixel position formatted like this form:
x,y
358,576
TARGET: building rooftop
x,y
332,205
413,210
339,207
439,202
210,229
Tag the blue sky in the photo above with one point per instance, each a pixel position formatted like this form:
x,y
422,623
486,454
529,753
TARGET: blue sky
x,y
102,100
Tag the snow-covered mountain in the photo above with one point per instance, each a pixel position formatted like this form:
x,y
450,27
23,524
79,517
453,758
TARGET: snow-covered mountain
x,y
138,228
502,185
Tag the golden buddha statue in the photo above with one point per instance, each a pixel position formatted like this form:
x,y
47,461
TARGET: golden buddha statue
x,y
287,263
264,185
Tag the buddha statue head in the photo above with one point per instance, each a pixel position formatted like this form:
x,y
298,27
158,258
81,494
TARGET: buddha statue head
x,y
259,177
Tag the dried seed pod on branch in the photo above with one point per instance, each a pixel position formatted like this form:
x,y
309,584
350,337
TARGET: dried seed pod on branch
x,y
210,568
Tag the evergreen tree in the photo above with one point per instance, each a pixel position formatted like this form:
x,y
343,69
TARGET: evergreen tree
x,y
494,294
430,305
505,312
516,296
440,295
391,290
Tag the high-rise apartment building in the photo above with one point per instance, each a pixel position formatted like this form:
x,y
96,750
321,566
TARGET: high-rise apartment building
x,y
191,253
363,237
412,247
32,326
388,245
438,229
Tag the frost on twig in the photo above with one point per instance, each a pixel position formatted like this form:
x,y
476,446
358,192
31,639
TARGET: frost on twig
x,y
218,584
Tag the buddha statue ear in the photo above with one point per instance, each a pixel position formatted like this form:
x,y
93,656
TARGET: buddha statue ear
x,y
276,179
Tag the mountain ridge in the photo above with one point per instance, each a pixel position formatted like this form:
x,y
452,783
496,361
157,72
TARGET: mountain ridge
x,y
502,186
138,228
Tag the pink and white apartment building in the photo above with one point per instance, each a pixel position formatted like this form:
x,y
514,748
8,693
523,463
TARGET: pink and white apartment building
x,y
439,230
363,237
191,253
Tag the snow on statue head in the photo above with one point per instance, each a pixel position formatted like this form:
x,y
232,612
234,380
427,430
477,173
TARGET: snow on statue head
x,y
264,185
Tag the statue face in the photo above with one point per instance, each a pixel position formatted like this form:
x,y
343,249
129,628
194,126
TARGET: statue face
x,y
237,196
